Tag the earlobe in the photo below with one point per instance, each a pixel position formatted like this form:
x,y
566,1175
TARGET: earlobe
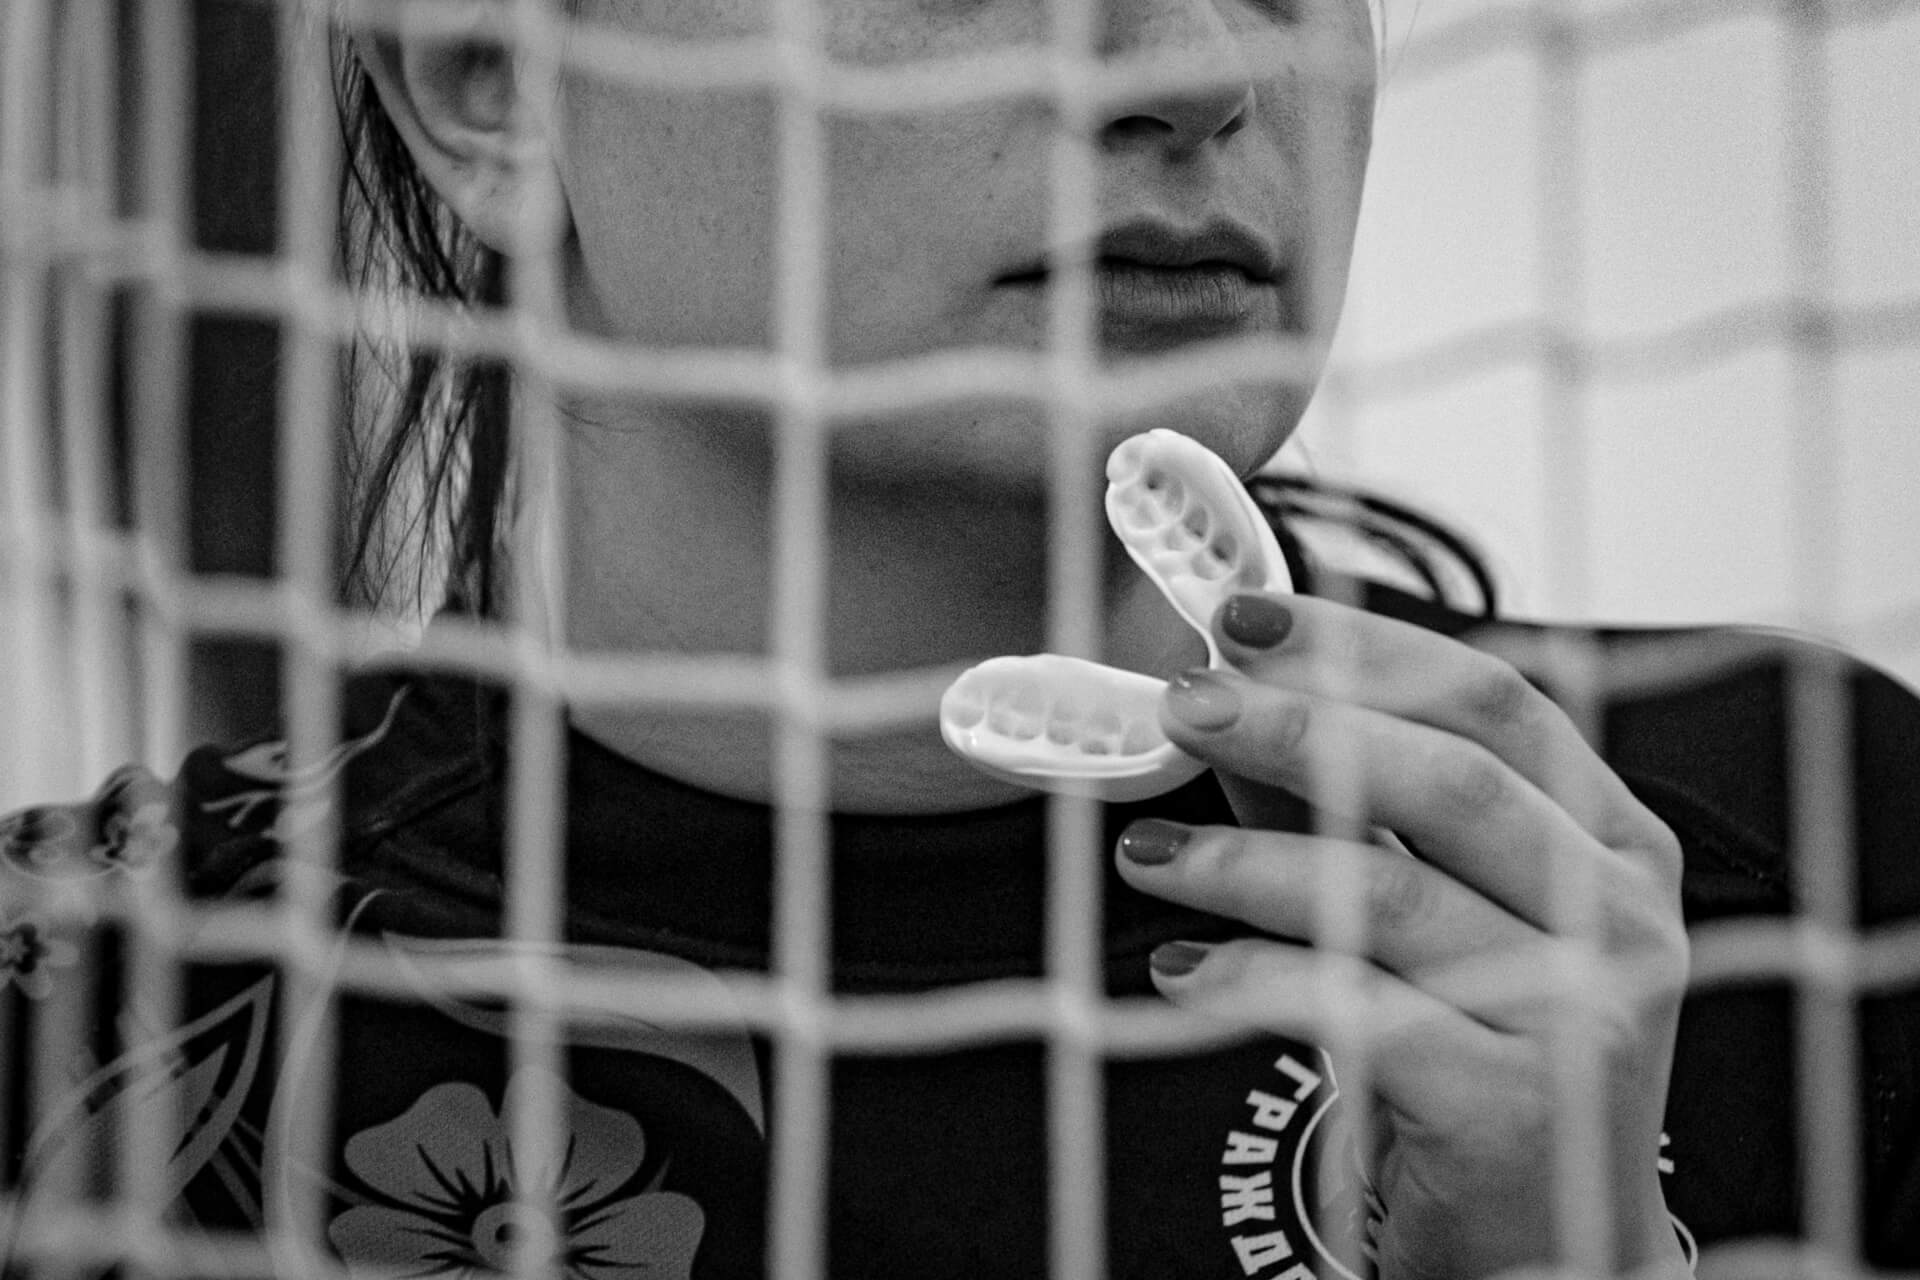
x,y
459,104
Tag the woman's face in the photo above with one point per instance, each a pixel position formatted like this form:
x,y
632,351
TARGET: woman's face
x,y
936,234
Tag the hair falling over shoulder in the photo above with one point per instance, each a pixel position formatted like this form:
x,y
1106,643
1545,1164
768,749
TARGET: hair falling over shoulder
x,y
427,440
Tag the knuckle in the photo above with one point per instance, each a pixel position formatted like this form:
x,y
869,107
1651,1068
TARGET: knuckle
x,y
1223,858
1397,896
1670,962
1650,845
1471,782
1646,933
1226,968
1500,697
1292,720
1664,852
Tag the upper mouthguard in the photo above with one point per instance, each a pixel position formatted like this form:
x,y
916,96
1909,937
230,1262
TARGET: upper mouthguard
x,y
1191,526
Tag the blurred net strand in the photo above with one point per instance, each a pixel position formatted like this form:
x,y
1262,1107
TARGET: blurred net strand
x,y
158,357
1727,954
534,1104
1074,975
83,123
157,353
229,606
96,1238
1621,28
1585,1212
297,1147
802,891
60,225
85,119
34,143
1820,706
617,55
25,138
1342,997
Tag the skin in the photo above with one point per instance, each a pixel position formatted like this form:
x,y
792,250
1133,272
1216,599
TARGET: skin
x,y
936,554
938,519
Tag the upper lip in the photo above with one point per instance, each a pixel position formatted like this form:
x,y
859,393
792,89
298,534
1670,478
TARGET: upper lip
x,y
1159,244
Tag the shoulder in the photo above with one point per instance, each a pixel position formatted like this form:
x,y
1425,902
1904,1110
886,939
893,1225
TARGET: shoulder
x,y
1776,752
1730,732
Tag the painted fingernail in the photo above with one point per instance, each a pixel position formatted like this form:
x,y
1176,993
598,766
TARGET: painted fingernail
x,y
1201,700
1258,622
1153,842
1177,959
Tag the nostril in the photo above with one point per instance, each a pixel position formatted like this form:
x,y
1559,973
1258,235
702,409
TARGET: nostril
x,y
1143,132
1182,120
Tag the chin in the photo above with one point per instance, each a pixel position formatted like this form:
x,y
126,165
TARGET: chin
x,y
1001,449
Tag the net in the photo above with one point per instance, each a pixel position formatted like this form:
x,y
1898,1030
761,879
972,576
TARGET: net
x,y
118,271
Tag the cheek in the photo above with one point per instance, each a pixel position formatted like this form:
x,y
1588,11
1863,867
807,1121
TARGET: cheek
x,y
927,210
674,199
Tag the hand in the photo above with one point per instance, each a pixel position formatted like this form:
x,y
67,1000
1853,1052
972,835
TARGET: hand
x,y
1466,996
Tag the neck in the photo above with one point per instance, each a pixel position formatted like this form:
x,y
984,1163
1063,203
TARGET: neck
x,y
668,546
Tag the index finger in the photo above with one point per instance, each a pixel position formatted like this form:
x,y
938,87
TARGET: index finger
x,y
1340,653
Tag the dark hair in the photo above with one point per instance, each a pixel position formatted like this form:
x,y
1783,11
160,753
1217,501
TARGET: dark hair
x,y
427,463
1442,561
429,480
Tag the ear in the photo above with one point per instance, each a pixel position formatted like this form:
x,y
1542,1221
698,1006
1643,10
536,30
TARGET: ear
x,y
459,102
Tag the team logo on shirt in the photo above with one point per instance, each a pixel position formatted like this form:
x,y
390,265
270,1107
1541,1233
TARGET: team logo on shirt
x,y
1294,1199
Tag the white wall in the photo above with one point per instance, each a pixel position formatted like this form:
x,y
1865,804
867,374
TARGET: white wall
x,y
1706,494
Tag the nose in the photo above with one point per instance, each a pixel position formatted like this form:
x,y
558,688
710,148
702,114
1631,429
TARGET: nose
x,y
1193,35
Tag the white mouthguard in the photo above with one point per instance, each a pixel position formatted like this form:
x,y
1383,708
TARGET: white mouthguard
x,y
1191,526
1065,724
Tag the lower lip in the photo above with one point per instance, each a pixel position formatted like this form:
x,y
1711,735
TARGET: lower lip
x,y
1144,307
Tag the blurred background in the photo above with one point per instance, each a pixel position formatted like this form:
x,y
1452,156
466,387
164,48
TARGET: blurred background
x,y
1629,183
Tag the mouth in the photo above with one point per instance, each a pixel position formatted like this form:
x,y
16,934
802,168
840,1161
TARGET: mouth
x,y
1157,286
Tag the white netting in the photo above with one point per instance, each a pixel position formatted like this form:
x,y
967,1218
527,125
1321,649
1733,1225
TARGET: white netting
x,y
100,615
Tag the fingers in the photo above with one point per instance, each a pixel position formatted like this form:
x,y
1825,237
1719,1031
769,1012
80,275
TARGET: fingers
x,y
1414,917
1420,1047
1321,648
1434,933
1466,809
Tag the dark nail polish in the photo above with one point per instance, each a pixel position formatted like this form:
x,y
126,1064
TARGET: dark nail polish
x,y
1201,700
1153,842
1177,959
1258,622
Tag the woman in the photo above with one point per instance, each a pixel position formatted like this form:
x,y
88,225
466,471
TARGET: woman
x,y
1217,218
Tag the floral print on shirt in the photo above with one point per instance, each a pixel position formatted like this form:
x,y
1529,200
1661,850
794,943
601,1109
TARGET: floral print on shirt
x,y
29,954
443,1178
300,795
61,858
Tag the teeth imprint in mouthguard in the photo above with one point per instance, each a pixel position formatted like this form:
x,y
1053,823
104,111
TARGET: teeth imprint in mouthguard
x,y
1191,526
1065,724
